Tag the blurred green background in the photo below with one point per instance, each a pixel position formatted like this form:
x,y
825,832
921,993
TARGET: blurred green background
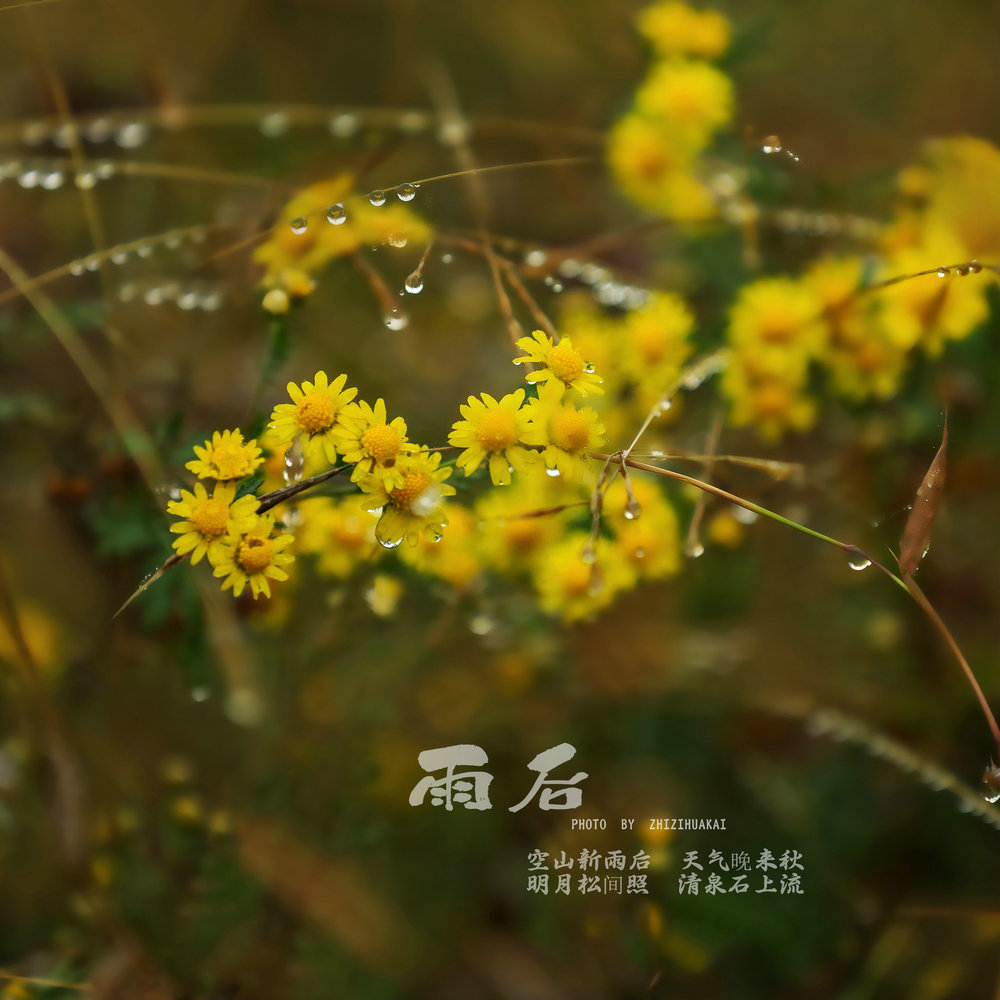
x,y
202,799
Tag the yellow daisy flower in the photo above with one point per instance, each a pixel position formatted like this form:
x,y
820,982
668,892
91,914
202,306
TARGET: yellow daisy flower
x,y
675,29
254,556
561,361
226,457
314,413
208,519
496,430
455,558
414,508
373,443
565,433
338,533
690,98
576,587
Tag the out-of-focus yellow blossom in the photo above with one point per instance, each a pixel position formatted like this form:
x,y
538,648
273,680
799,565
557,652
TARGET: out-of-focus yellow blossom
x,y
959,188
772,403
862,356
656,169
777,320
691,99
383,595
292,257
254,556
39,633
726,530
511,541
313,415
656,340
226,457
560,362
367,438
496,430
649,539
564,432
415,507
454,558
574,585
208,519
930,309
341,536
675,29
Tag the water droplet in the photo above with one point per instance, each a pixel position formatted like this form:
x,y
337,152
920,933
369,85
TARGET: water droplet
x,y
453,133
85,180
414,283
397,240
975,266
99,130
200,693
436,536
154,296
772,144
536,258
377,197
569,268
588,554
105,170
589,368
553,473
211,301
943,272
144,251
119,257
77,268
388,543
447,258
52,180
63,137
29,179
132,135
481,624
639,553
299,225
858,562
92,263
344,126
274,125
596,585
632,509
694,549
35,134
962,270
406,192
396,319
187,301
336,215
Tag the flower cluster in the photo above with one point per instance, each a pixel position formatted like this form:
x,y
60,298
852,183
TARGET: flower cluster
x,y
655,150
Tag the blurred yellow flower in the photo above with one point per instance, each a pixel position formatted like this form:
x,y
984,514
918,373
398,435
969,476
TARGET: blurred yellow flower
x,y
675,29
226,457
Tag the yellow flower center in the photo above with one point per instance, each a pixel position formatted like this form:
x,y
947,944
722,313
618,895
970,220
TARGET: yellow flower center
x,y
576,578
315,412
254,554
210,517
773,400
414,483
569,429
564,362
778,324
230,459
497,429
381,442
524,533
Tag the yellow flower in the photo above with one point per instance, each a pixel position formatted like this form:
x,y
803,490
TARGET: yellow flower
x,y
494,430
314,413
675,29
565,433
649,539
208,519
560,362
511,541
253,556
692,99
776,321
415,507
292,256
454,558
656,340
226,457
655,168
368,439
773,403
338,533
575,581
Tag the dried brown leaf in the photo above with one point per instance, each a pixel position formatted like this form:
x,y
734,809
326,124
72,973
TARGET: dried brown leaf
x,y
916,538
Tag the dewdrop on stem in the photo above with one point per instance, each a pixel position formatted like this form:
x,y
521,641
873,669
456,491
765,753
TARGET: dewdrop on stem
x,y
406,192
414,283
396,319
299,225
336,215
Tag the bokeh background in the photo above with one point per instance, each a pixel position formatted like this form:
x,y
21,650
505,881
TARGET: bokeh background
x,y
206,798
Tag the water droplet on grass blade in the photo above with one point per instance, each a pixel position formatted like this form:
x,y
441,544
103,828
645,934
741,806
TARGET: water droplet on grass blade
x,y
414,283
858,562
336,215
396,319
406,192
299,225
377,198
